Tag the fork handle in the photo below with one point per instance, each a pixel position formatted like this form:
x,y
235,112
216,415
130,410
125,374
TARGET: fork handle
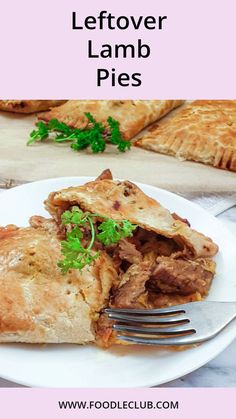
x,y
229,310
229,306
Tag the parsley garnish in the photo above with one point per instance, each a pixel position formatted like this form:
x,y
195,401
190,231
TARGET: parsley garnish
x,y
116,137
40,134
76,256
94,135
112,231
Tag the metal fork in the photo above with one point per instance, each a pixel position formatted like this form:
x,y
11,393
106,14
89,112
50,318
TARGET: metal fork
x,y
184,324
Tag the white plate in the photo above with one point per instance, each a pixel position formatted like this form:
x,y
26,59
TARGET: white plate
x,y
89,366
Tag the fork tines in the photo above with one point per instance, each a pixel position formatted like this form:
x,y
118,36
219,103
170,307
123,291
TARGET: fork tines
x,y
185,324
153,311
139,326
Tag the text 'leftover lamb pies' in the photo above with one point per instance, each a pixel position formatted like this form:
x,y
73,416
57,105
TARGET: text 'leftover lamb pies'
x,y
133,115
205,132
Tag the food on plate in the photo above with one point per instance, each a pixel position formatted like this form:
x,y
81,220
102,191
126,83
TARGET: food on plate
x,y
39,304
132,115
205,131
94,134
28,106
106,244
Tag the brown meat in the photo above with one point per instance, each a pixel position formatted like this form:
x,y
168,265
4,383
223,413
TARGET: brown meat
x,y
106,174
132,284
182,277
127,251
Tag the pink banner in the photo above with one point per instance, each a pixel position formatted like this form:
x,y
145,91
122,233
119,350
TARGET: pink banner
x,y
188,47
104,403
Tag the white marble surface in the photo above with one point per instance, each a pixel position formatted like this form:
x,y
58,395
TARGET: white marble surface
x,y
221,372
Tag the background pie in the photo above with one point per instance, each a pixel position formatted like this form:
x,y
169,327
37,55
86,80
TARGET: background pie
x,y
133,115
28,106
204,131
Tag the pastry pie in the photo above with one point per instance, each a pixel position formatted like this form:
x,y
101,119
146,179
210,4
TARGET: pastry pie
x,y
28,106
204,131
39,304
133,115
163,262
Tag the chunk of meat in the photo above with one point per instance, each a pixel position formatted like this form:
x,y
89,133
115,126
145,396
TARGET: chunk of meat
x,y
127,251
106,174
133,283
182,277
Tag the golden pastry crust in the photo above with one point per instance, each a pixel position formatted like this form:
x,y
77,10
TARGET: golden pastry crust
x,y
205,132
28,106
133,115
124,200
37,303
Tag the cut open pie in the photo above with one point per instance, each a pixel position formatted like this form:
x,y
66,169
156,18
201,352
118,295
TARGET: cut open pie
x,y
205,131
163,262
133,115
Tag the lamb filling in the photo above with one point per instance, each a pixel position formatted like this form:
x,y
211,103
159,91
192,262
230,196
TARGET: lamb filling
x,y
153,271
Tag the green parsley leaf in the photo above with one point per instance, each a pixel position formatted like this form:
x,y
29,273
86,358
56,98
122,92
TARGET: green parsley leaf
x,y
112,231
96,125
76,262
40,134
55,125
115,135
94,135
74,217
75,255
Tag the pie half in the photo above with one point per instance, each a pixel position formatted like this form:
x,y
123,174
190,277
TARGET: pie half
x,y
38,304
